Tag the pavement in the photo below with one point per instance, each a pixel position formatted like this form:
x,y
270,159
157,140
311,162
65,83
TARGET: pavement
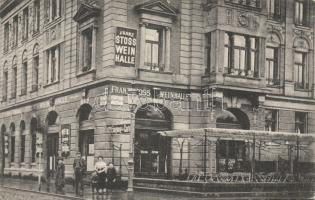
x,y
21,189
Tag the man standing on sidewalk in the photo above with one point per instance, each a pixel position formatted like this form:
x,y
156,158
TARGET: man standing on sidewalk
x,y
78,168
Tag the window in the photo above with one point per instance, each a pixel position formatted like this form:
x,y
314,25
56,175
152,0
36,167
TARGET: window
x,y
15,31
271,120
301,13
6,37
240,55
25,24
35,68
33,148
12,145
5,86
153,48
300,122
24,77
274,9
53,62
208,53
299,69
251,3
272,68
14,79
22,148
53,9
36,16
87,41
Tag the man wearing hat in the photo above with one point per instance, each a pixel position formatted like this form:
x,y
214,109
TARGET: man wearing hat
x,y
60,176
78,168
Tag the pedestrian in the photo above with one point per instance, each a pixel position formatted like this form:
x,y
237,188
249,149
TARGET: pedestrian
x,y
60,176
78,168
111,176
100,168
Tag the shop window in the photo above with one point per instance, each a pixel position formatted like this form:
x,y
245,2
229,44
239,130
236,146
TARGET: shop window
x,y
272,69
36,16
300,59
22,149
6,37
12,143
302,12
15,31
35,68
52,10
231,156
300,122
241,54
33,139
271,120
53,64
24,74
274,9
25,24
87,49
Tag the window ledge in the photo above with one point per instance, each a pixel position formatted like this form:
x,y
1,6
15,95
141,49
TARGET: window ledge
x,y
53,22
24,40
274,86
35,33
304,27
239,76
86,72
302,89
50,84
160,72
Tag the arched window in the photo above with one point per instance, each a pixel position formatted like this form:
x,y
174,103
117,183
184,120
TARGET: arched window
x,y
301,63
35,68
22,135
272,66
84,112
14,78
12,142
52,118
24,73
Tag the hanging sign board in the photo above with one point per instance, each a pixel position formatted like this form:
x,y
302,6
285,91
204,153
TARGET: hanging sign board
x,y
65,139
125,47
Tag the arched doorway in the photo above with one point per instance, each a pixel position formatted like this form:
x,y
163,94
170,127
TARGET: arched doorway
x,y
231,153
52,142
152,151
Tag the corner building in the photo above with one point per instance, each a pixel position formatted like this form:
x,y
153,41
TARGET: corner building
x,y
109,77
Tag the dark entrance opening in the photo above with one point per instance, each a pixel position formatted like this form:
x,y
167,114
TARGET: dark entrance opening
x,y
52,152
152,151
86,147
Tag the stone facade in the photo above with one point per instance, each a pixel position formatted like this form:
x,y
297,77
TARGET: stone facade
x,y
184,26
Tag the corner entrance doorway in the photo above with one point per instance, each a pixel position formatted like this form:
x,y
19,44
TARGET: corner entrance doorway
x,y
152,151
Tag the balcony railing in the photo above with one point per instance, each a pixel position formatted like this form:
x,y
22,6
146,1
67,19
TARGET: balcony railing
x,y
248,3
273,81
240,72
154,67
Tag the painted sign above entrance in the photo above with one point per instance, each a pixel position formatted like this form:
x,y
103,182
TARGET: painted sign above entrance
x,y
125,47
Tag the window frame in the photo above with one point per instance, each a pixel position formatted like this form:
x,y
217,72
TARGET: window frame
x,y
301,15
24,81
84,34
36,16
274,80
303,65
15,31
52,10
6,37
53,72
25,23
35,68
303,122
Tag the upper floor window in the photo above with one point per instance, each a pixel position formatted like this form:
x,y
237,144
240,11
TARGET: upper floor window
x,y
12,142
53,64
15,31
272,69
274,9
208,54
24,74
300,122
25,24
271,120
300,59
52,9
35,68
87,49
36,16
5,82
241,54
153,48
251,3
301,12
6,37
14,78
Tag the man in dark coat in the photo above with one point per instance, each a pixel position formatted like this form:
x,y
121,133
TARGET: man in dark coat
x,y
60,176
78,168
111,176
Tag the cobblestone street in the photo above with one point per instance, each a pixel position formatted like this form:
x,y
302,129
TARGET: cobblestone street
x,y
6,194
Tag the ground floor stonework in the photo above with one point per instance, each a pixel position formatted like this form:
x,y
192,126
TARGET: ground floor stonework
x,y
124,122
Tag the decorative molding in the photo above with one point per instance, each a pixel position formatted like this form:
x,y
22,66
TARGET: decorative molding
x,y
157,7
86,11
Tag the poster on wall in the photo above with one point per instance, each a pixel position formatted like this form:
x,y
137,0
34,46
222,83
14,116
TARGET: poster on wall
x,y
125,47
65,139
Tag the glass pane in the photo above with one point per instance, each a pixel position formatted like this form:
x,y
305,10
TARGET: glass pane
x,y
297,12
226,57
253,43
226,39
236,58
298,57
270,53
152,35
239,41
148,53
253,60
296,72
242,59
155,54
271,70
301,13
300,74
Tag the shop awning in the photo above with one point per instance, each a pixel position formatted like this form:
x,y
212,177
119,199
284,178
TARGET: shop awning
x,y
238,134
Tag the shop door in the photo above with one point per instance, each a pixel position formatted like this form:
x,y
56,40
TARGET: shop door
x,y
86,146
52,152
